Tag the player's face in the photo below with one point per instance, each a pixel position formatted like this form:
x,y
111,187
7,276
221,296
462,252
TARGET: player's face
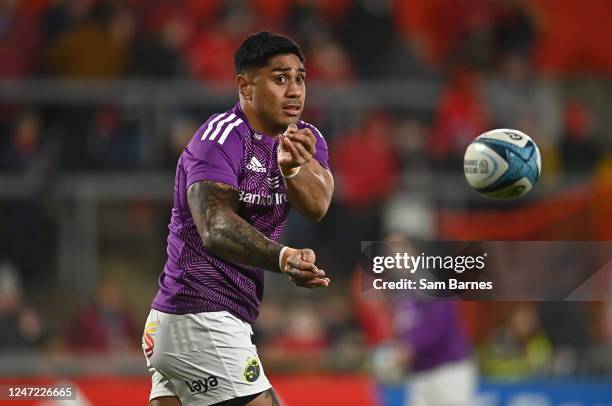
x,y
279,91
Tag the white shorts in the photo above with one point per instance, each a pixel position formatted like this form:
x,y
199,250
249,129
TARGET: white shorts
x,y
202,358
451,384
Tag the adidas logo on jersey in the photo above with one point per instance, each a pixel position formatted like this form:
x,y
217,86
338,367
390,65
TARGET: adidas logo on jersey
x,y
256,166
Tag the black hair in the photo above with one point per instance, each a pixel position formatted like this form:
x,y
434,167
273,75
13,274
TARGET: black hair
x,y
258,48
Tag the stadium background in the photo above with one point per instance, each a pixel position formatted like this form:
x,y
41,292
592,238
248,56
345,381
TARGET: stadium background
x,y
98,98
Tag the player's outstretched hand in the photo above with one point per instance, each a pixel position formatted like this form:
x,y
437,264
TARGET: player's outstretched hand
x,y
301,268
296,147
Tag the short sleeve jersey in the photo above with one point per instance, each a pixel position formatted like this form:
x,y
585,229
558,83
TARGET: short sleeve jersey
x,y
225,149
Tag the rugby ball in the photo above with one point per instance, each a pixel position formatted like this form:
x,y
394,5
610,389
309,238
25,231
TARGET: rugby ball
x,y
502,163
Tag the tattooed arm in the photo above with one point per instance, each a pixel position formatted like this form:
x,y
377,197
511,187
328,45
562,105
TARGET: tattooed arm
x,y
214,209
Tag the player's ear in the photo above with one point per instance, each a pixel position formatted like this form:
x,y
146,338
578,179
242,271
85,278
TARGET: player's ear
x,y
244,86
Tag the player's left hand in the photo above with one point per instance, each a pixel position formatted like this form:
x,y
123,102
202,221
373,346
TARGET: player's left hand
x,y
301,269
295,148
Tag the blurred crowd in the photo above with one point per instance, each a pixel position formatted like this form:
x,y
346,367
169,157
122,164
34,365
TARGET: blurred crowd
x,y
529,65
497,63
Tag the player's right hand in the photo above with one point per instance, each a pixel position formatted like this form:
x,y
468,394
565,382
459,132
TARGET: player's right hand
x,y
299,265
296,147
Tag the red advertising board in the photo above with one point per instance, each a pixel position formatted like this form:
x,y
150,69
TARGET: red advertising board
x,y
294,390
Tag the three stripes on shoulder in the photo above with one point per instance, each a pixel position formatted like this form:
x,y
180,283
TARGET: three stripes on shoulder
x,y
227,122
223,122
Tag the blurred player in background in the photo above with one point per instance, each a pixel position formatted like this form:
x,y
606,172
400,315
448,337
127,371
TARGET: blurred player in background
x,y
436,351
233,187
423,343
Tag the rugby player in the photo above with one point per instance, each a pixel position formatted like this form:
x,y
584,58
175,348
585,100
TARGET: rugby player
x,y
235,182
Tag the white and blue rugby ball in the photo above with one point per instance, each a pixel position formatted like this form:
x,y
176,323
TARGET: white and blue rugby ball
x,y
502,163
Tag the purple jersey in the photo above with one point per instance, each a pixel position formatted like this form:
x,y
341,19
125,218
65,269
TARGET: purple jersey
x,y
433,331
225,149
